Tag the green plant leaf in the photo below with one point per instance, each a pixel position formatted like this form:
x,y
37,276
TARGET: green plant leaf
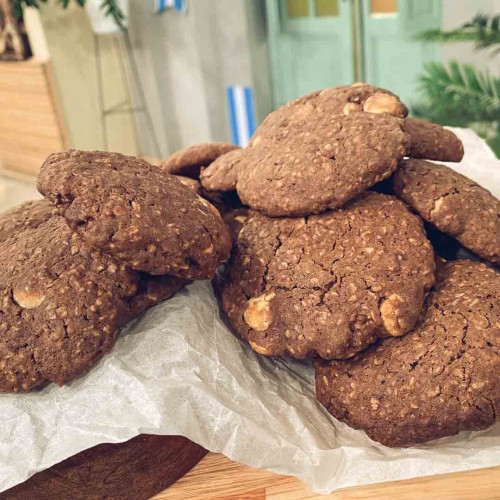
x,y
460,95
111,8
18,5
483,30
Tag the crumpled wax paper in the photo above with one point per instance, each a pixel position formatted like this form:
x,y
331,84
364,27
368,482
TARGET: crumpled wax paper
x,y
179,370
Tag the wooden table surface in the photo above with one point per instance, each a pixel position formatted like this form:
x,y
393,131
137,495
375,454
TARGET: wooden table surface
x,y
218,477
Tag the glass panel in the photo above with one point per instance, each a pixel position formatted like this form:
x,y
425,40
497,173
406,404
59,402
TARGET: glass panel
x,y
327,8
384,6
298,8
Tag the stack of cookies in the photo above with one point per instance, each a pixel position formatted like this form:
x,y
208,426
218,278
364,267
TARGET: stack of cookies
x,y
331,261
329,209
113,236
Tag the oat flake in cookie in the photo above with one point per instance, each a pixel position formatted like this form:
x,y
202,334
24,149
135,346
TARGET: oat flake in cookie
x,y
455,204
321,150
136,213
27,214
330,284
189,161
62,305
436,381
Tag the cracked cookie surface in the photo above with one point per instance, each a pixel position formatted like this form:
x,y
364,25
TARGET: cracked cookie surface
x,y
189,161
327,285
62,304
455,204
136,213
435,381
321,150
27,214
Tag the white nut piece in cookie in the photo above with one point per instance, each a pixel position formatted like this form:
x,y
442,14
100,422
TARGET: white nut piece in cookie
x,y
351,107
384,103
437,206
257,314
390,312
258,348
26,299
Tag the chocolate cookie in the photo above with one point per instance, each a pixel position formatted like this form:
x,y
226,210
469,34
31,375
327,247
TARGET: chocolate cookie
x,y
136,213
342,100
329,285
190,160
222,174
432,141
192,184
455,204
321,150
437,380
63,303
28,214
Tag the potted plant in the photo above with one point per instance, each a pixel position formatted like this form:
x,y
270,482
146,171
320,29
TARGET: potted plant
x,y
106,16
459,94
13,42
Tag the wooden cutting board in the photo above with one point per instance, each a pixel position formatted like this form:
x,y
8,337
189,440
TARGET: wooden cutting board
x,y
216,477
136,469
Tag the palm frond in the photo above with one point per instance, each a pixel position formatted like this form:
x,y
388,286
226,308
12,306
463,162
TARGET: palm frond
x,y
459,95
459,82
483,30
111,8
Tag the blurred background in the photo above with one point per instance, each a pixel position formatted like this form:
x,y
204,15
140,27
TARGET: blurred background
x,y
149,77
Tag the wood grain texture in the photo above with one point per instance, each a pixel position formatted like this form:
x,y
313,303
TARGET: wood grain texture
x,y
136,469
218,477
31,124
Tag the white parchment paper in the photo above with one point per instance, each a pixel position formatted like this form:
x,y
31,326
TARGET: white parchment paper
x,y
178,370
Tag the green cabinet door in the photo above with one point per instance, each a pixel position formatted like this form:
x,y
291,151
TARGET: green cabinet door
x,y
392,57
311,46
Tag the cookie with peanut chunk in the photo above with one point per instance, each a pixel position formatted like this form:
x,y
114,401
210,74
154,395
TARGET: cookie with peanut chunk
x,y
27,214
328,285
136,213
455,204
63,303
321,150
435,381
189,161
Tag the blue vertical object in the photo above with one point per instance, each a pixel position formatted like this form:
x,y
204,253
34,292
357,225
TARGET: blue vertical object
x,y
241,113
162,5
